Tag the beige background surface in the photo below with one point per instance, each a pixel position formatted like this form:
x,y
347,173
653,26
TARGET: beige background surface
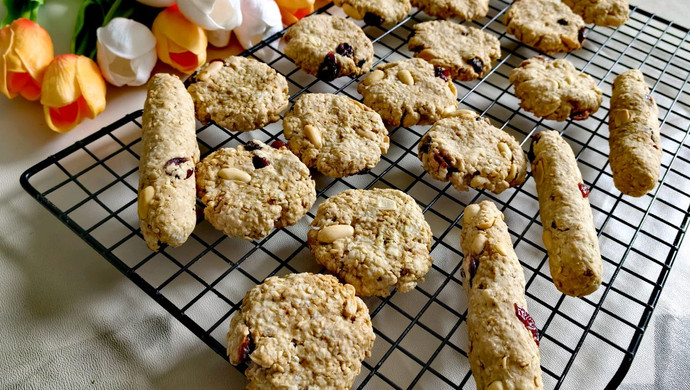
x,y
71,320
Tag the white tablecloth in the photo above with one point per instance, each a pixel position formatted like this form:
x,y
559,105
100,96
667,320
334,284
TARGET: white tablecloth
x,y
70,320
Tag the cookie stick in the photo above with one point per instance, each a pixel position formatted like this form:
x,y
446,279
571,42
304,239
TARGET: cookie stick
x,y
504,343
569,235
634,137
167,190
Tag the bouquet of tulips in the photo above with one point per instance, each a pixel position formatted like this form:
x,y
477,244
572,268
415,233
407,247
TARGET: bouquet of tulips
x,y
120,41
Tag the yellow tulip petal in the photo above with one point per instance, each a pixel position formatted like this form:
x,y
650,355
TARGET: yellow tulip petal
x,y
66,118
33,48
91,85
60,86
5,43
178,29
294,4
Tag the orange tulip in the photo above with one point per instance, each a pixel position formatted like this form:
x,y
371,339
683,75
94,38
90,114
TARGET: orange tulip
x,y
73,90
180,43
25,52
294,10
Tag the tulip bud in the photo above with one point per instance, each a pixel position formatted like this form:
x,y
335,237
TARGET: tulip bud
x,y
212,14
25,52
179,42
126,52
260,19
294,10
72,90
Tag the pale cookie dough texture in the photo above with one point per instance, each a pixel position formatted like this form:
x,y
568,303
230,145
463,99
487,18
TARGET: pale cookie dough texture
x,y
612,13
253,188
469,151
467,52
503,337
302,331
634,138
336,135
373,240
240,94
546,25
555,90
329,47
167,189
376,12
449,9
409,92
569,235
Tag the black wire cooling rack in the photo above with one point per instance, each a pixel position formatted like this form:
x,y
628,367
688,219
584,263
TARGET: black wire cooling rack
x,y
421,336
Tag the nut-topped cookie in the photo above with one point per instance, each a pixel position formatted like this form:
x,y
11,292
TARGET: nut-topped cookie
x,y
555,90
546,25
467,52
449,9
373,240
329,47
336,135
409,92
240,94
469,151
376,12
302,331
612,13
253,188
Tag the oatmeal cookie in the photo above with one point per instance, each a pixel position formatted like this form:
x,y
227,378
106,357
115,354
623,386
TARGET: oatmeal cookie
x,y
376,12
450,9
612,13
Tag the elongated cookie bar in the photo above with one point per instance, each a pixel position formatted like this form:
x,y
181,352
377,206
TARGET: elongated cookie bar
x,y
167,192
569,234
504,340
634,137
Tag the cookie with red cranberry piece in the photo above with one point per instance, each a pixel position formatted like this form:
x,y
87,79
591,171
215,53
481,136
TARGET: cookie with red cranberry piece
x,y
301,331
612,13
329,47
409,92
336,135
254,188
555,90
240,94
468,151
546,25
450,9
467,52
376,12
503,337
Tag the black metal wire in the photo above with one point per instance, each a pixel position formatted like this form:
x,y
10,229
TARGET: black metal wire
x,y
218,270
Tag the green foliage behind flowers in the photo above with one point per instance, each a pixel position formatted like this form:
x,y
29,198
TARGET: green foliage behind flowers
x,y
20,9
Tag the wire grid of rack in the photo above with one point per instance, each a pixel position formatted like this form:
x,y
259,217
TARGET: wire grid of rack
x,y
421,336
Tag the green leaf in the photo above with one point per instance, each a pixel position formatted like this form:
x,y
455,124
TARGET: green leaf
x,y
21,9
98,13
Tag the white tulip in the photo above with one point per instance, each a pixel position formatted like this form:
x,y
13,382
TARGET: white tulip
x,y
260,19
212,14
218,38
157,3
126,52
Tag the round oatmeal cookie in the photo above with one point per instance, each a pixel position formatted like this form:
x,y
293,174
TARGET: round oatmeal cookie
x,y
329,47
239,93
372,239
409,92
468,150
253,188
467,52
376,12
611,13
337,135
555,90
449,9
301,331
546,25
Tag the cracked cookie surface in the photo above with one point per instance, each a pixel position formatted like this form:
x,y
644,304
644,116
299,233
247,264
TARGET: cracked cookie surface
x,y
240,94
302,331
469,151
336,135
329,47
409,92
373,240
612,13
555,90
467,52
376,12
254,188
546,25
449,9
